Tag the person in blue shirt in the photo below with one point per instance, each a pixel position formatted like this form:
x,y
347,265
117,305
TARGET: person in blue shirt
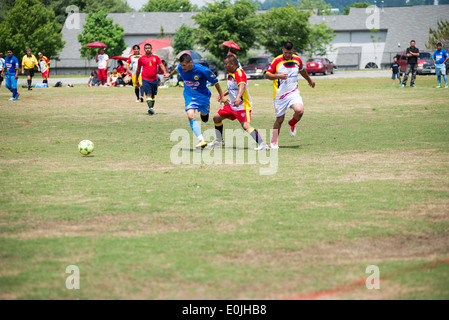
x,y
196,94
394,66
439,58
11,68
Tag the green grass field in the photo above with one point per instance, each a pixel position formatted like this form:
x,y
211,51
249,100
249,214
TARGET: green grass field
x,y
364,182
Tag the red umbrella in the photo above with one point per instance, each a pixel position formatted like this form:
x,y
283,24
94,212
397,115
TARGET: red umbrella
x,y
96,44
231,44
156,44
119,58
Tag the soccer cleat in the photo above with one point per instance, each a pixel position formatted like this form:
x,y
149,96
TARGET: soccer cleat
x,y
438,86
201,145
292,130
403,86
274,145
262,146
12,99
151,111
445,87
216,143
138,100
413,86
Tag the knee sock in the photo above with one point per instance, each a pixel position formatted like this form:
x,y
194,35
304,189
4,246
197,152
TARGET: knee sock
x,y
219,130
439,80
293,121
136,91
29,83
255,135
205,118
14,93
196,129
445,79
150,103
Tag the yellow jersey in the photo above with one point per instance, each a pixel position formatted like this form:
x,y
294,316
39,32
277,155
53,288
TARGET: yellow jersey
x,y
29,62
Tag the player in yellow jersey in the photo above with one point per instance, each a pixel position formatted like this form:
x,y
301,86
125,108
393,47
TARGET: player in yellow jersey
x,y
284,71
29,61
132,62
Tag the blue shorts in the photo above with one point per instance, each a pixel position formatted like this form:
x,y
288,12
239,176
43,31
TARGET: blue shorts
x,y
396,75
149,87
11,83
440,69
201,105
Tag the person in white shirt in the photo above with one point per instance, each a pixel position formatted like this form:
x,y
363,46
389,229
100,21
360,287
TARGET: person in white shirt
x,y
2,64
102,60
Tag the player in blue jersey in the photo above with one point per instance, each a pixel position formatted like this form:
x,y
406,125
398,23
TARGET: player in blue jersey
x,y
11,70
440,57
196,94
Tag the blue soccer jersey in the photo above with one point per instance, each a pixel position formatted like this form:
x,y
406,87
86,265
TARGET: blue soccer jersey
x,y
11,65
196,92
440,56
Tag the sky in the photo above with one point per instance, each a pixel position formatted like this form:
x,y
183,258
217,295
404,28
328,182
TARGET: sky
x,y
137,4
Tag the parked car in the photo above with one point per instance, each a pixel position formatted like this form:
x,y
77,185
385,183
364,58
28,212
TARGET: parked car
x,y
319,65
256,67
198,58
424,58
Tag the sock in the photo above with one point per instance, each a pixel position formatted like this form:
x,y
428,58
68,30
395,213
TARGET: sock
x,y
136,91
29,83
219,131
14,93
255,135
205,118
274,139
445,79
293,121
196,129
45,81
150,103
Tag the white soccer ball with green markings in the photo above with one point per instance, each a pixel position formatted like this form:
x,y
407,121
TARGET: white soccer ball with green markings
x,y
86,147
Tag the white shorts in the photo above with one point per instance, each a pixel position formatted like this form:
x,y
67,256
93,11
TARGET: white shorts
x,y
281,105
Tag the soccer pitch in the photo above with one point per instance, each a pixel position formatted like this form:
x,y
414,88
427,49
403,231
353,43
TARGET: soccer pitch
x,y
365,182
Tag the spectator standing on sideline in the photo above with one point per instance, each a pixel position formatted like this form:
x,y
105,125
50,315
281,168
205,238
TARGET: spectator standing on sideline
x,y
11,70
412,64
29,61
102,60
44,63
394,67
2,64
440,57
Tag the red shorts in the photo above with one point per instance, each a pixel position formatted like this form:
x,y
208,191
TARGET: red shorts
x,y
240,115
102,75
45,74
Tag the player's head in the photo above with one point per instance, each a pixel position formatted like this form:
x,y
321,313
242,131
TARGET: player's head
x,y
186,62
231,63
28,52
101,50
395,59
9,52
412,43
40,55
288,50
136,49
439,46
148,48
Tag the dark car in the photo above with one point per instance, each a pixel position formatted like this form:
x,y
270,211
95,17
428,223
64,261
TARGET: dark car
x,y
197,58
319,65
256,67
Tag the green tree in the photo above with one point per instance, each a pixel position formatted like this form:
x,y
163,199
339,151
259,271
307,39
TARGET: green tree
x,y
184,38
168,6
99,28
356,5
320,5
285,24
441,34
30,25
5,6
221,21
320,38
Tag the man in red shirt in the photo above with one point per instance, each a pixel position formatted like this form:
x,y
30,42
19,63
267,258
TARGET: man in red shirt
x,y
148,64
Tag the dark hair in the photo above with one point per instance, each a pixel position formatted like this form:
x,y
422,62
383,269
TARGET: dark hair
x,y
288,45
232,59
136,46
120,62
439,44
234,51
148,44
9,49
412,41
185,58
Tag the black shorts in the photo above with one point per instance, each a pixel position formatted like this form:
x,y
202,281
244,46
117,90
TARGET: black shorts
x,y
1,79
149,87
29,72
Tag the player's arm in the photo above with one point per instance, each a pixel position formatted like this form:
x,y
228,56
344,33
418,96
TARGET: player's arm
x,y
305,75
23,66
276,76
221,96
238,97
173,72
166,74
37,64
139,66
17,73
